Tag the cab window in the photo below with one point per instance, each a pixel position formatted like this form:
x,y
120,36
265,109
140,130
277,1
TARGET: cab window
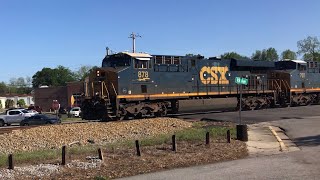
x,y
302,67
141,64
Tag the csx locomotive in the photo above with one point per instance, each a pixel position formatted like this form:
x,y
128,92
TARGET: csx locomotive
x,y
135,85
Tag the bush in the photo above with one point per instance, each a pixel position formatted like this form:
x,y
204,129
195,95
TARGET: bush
x,y
21,103
9,103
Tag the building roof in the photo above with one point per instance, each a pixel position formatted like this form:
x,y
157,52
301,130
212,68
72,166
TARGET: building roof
x,y
299,61
138,55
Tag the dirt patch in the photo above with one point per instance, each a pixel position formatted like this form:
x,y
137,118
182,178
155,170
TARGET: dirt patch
x,y
122,163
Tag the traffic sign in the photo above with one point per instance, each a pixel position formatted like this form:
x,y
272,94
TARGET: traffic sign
x,y
240,80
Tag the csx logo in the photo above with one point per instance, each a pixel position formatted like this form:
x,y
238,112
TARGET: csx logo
x,y
214,75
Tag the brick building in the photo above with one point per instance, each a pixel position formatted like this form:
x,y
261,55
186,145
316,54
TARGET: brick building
x,y
67,96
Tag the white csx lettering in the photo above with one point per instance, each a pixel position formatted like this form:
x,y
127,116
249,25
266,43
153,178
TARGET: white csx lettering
x,y
209,75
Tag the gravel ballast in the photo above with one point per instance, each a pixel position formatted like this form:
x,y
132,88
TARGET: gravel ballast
x,y
55,136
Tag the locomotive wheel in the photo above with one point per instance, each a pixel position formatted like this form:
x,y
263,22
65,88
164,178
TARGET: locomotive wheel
x,y
162,112
124,115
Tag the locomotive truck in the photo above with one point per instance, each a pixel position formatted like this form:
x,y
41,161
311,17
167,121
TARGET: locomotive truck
x,y
136,85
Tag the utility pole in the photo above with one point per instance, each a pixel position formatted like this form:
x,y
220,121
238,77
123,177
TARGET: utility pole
x,y
133,36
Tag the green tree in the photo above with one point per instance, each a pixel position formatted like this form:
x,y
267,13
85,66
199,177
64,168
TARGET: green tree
x,y
20,82
269,54
9,103
18,86
63,75
232,55
288,54
3,88
43,77
257,55
263,55
315,56
83,72
192,55
21,103
310,48
58,76
272,54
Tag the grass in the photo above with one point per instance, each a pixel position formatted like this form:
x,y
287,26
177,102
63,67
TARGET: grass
x,y
101,178
31,157
196,133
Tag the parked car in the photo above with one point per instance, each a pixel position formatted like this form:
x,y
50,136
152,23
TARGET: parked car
x,y
14,116
40,119
75,112
32,111
12,109
36,108
62,110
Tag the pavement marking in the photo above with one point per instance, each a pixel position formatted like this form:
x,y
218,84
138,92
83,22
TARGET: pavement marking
x,y
282,145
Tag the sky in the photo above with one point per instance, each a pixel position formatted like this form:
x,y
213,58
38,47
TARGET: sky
x,y
35,34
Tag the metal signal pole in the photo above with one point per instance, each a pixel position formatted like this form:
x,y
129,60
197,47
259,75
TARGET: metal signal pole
x,y
133,36
240,109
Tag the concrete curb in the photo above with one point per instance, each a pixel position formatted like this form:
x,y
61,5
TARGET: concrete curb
x,y
282,145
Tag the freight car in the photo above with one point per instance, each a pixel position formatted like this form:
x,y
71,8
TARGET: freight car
x,y
135,85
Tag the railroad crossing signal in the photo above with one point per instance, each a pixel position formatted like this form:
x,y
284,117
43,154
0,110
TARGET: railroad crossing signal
x,y
240,80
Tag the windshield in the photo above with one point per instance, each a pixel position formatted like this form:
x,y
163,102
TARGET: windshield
x,y
118,60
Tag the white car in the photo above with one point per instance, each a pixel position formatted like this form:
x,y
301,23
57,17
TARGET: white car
x,y
75,112
14,116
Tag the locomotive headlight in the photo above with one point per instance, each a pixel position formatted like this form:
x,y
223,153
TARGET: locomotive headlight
x,y
98,73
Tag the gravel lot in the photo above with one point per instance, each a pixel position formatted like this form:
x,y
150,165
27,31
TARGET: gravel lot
x,y
55,136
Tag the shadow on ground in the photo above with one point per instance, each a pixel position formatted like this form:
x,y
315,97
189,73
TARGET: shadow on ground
x,y
308,141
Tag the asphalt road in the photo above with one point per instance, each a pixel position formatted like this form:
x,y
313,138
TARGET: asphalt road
x,y
256,116
303,129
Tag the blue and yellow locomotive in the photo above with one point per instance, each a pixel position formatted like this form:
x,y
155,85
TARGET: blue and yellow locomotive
x,y
143,85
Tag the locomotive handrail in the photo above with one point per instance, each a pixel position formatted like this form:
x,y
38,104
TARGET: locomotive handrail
x,y
286,84
279,87
114,89
275,84
105,86
92,86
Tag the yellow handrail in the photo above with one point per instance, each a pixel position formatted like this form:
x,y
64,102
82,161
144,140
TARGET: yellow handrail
x,y
104,84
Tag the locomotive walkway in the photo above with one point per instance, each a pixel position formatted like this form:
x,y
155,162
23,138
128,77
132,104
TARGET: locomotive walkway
x,y
268,159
